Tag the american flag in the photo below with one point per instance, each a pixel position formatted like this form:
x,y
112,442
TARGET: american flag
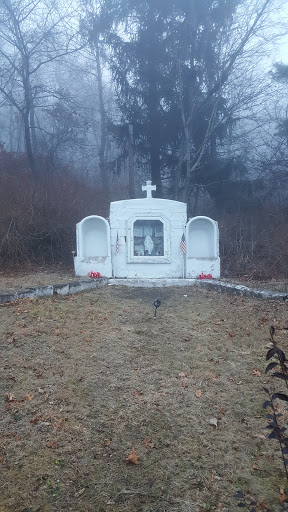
x,y
183,244
117,244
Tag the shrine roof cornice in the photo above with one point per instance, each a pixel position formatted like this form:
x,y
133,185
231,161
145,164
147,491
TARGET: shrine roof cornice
x,y
147,200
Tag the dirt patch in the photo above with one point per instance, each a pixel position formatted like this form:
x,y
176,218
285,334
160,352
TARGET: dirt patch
x,y
88,377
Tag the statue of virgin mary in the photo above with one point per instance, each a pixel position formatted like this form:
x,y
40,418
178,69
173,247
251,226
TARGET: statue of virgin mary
x,y
148,244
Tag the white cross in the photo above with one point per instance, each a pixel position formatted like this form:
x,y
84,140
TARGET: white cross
x,y
149,187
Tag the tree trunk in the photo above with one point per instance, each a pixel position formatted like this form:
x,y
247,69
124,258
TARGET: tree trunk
x,y
177,175
154,133
131,162
103,134
33,130
28,109
28,146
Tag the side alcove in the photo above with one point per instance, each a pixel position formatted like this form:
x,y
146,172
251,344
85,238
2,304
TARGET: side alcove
x,y
202,238
93,237
93,246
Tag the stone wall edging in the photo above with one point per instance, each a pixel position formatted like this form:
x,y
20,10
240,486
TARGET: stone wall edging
x,y
56,289
238,289
88,284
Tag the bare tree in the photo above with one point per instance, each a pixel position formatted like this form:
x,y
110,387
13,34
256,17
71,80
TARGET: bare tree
x,y
227,90
33,33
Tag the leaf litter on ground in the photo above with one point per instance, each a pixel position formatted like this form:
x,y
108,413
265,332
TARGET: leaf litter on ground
x,y
93,399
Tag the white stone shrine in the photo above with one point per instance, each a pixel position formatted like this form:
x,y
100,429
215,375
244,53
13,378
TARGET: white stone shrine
x,y
142,239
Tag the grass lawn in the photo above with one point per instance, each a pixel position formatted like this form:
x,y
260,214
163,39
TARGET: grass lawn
x,y
106,409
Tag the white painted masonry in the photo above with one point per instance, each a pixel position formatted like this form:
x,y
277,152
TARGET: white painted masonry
x,y
202,236
123,215
149,233
93,247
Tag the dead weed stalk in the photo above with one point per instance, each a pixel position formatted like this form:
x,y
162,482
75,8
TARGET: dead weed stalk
x,y
279,370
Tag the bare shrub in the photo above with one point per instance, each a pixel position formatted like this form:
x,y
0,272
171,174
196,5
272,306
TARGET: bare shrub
x,y
38,220
254,243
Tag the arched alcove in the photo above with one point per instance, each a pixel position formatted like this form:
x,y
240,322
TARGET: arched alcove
x,y
93,237
201,238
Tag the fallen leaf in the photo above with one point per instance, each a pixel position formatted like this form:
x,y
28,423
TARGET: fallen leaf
x,y
198,393
132,457
255,466
259,436
59,423
147,443
256,372
35,420
29,397
77,494
107,442
11,340
213,422
38,374
137,392
51,444
260,505
283,496
10,397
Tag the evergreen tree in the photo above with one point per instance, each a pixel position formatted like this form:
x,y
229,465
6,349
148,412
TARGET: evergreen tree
x,y
172,61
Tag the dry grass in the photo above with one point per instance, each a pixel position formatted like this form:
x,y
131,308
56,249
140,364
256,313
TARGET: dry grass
x,y
90,376
35,276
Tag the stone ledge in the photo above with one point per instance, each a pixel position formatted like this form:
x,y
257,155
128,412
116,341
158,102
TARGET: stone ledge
x,y
88,284
56,289
151,283
221,286
238,289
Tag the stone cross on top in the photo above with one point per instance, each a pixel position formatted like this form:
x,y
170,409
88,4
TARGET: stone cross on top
x,y
149,187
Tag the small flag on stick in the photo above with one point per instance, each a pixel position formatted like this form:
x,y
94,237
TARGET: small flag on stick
x,y
117,244
183,244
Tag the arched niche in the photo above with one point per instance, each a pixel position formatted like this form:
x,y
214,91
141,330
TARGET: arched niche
x,y
93,237
202,238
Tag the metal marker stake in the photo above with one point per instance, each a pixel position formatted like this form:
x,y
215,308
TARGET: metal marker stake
x,y
157,303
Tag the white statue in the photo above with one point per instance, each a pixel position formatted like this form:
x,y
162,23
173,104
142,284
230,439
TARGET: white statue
x,y
148,244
